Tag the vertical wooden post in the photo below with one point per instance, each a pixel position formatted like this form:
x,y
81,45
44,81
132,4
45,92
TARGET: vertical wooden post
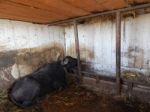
x,y
118,52
77,51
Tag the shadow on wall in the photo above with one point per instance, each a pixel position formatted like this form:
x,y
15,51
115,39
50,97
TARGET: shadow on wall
x,y
86,56
18,63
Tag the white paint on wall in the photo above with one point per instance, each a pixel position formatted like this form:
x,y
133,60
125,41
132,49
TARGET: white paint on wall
x,y
97,42
100,36
99,39
135,42
17,35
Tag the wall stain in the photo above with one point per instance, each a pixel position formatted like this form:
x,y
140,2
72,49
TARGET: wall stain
x,y
132,14
135,57
136,2
86,54
7,58
18,63
102,19
28,60
5,78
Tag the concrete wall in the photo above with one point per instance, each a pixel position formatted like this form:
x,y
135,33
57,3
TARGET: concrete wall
x,y
24,47
97,48
97,44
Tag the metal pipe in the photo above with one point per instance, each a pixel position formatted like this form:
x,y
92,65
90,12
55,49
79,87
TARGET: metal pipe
x,y
77,50
118,52
101,13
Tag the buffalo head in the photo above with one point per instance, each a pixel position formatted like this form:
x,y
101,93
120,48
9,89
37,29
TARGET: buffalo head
x,y
69,63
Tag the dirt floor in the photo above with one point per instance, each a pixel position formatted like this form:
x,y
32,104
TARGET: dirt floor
x,y
75,99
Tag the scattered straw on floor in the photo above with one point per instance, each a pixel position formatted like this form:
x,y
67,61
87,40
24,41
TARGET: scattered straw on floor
x,y
75,99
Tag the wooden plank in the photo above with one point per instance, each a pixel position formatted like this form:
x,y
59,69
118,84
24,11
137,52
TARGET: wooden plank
x,y
77,51
25,10
54,10
115,4
118,52
54,6
18,12
88,5
97,5
20,18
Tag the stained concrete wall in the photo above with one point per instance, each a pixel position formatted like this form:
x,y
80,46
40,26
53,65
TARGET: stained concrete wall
x,y
97,44
24,47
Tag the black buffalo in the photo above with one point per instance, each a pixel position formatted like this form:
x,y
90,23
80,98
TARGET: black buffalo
x,y
29,89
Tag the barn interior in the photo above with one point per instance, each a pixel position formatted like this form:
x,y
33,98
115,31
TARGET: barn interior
x,y
110,39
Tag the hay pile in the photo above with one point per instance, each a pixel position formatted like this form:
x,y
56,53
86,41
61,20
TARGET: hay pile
x,y
7,106
136,76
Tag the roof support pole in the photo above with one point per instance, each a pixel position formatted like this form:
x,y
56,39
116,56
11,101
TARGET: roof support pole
x,y
77,51
118,52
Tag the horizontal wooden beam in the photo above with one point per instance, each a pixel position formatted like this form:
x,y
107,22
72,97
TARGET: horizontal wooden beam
x,y
98,76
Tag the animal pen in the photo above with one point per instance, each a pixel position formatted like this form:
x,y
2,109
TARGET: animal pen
x,y
111,44
118,79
